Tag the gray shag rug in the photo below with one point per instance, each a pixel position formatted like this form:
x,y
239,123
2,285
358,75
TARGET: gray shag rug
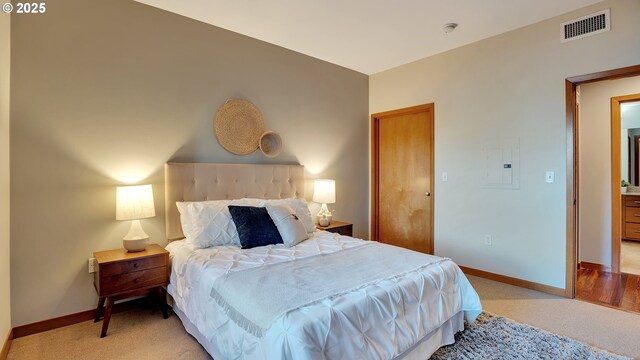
x,y
495,337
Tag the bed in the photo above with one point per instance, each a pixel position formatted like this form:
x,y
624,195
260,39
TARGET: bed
x,y
365,300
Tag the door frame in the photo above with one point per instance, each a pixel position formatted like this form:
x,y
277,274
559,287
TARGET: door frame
x,y
616,177
375,120
572,177
636,154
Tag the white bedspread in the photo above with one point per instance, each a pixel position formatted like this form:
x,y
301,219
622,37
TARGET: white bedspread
x,y
378,321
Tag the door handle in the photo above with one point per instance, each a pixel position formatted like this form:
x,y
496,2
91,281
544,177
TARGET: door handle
x,y
427,194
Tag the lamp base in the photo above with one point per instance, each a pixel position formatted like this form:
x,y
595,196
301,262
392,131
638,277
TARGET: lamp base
x,y
323,221
324,216
136,239
135,245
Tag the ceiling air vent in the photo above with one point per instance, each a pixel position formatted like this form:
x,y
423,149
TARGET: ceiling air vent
x,y
585,26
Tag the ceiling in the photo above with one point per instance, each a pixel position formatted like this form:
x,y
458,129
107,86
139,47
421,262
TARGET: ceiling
x,y
369,36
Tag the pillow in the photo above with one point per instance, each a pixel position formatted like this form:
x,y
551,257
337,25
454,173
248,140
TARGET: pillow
x,y
208,223
291,229
298,205
255,227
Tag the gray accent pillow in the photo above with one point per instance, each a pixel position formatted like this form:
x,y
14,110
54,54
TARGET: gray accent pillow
x,y
290,227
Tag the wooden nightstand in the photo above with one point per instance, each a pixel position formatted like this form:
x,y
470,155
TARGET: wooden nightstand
x,y
338,227
122,275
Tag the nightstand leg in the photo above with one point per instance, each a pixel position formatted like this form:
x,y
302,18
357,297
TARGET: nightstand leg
x,y
99,309
162,298
107,316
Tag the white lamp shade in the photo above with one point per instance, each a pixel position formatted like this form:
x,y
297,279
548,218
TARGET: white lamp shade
x,y
134,202
324,191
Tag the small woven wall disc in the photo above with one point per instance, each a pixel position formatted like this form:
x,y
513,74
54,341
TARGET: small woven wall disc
x,y
270,144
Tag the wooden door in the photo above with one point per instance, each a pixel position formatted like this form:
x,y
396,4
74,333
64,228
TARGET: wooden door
x,y
402,199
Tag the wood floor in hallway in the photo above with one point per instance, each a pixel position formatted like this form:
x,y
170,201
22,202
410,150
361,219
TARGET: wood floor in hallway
x,y
620,291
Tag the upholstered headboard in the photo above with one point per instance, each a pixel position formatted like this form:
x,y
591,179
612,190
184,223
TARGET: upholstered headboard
x,y
201,182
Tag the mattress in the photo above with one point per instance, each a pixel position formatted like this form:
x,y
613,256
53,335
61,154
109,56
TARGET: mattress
x,y
387,319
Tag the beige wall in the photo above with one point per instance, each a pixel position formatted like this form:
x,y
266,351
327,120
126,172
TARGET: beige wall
x,y
506,87
5,72
108,91
595,166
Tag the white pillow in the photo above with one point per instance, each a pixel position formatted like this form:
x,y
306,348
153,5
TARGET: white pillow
x,y
291,229
208,223
298,205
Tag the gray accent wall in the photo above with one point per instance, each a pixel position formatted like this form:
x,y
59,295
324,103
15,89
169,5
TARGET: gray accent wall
x,y
511,86
105,92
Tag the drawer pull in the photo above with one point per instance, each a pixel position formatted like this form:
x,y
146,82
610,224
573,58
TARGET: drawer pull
x,y
636,215
637,232
636,202
135,265
136,280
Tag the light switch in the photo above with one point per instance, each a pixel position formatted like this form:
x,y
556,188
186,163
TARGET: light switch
x,y
550,177
445,176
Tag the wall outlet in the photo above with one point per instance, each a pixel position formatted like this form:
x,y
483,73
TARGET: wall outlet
x,y
549,177
92,265
487,240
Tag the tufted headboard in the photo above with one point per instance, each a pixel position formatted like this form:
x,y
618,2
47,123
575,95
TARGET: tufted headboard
x,y
201,182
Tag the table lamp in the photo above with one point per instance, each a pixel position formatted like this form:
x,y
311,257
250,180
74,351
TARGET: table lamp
x,y
135,203
324,192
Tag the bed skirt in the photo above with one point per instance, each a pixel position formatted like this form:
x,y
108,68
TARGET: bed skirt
x,y
444,335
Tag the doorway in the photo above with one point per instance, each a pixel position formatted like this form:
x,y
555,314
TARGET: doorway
x,y
627,114
602,284
402,177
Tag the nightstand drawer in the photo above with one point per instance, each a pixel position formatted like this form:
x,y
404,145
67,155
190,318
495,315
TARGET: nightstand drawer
x,y
338,227
124,267
134,280
345,231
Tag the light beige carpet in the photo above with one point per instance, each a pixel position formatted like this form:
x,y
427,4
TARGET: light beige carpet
x,y
143,334
630,257
138,334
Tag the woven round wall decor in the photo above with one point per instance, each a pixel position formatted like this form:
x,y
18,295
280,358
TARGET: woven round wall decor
x,y
238,126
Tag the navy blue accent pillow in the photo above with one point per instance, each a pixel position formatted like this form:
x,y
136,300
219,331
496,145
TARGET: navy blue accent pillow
x,y
254,225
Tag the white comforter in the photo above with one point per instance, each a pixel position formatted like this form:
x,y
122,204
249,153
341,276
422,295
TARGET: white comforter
x,y
379,321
